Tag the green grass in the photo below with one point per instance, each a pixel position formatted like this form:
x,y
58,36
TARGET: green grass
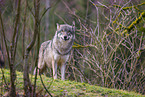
x,y
66,88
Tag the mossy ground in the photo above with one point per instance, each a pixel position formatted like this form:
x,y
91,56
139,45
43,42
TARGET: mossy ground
x,y
65,88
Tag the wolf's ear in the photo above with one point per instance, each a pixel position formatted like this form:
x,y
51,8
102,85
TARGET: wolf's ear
x,y
58,26
73,26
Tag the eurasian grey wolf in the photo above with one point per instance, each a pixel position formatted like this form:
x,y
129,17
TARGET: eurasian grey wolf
x,y
54,53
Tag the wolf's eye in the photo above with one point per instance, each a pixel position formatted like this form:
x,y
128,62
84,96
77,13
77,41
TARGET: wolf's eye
x,y
69,32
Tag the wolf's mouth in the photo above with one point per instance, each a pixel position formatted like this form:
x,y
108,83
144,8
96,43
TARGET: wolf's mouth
x,y
65,38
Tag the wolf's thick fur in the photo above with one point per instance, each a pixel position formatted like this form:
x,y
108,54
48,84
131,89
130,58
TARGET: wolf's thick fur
x,y
55,52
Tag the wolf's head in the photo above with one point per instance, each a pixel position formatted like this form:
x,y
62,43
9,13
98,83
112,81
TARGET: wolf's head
x,y
65,32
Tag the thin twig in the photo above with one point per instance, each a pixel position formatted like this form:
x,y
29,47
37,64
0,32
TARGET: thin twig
x,y
44,85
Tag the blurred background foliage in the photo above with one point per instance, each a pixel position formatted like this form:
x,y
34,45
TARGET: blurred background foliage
x,y
109,48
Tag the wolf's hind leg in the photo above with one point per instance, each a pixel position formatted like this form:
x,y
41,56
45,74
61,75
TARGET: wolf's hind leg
x,y
41,67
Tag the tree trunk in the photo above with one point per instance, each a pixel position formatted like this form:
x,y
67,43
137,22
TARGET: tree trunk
x,y
47,20
27,83
13,53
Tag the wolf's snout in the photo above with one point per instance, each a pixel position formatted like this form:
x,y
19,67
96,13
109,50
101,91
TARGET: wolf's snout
x,y
65,38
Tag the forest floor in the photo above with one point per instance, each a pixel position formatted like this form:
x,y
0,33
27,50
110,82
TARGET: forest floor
x,y
59,88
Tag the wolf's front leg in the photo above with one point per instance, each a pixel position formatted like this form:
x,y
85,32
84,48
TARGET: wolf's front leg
x,y
54,67
63,72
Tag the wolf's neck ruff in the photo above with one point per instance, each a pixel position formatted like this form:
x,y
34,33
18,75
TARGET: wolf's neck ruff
x,y
61,53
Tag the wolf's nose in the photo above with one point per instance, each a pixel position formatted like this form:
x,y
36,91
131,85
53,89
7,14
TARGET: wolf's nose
x,y
65,37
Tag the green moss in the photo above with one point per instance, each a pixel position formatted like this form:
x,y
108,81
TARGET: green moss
x,y
130,7
138,20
